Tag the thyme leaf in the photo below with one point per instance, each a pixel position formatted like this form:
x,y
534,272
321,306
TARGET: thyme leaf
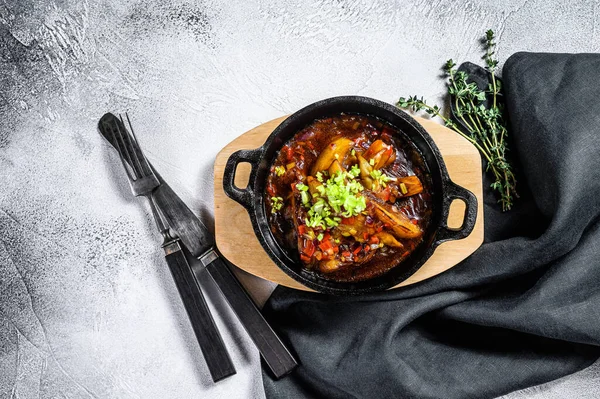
x,y
483,121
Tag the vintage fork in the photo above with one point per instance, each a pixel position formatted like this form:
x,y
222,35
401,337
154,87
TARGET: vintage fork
x,y
143,181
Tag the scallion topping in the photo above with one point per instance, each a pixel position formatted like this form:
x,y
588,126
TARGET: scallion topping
x,y
380,177
276,204
305,196
340,197
403,188
279,170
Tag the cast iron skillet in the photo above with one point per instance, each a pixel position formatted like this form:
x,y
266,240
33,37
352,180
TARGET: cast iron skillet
x,y
444,191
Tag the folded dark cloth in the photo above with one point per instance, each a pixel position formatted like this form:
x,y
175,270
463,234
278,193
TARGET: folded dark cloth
x,y
522,310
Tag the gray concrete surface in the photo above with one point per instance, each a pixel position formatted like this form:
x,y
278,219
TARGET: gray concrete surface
x,y
87,306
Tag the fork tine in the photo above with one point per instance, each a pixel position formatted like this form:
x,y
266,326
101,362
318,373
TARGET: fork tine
x,y
128,150
140,156
134,150
120,149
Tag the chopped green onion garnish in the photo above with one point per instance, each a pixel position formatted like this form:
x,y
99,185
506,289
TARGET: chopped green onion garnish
x,y
330,222
302,187
276,204
340,196
319,207
403,188
320,236
372,162
381,178
305,198
279,170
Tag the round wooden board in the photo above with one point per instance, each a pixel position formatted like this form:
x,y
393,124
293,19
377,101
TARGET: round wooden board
x,y
237,242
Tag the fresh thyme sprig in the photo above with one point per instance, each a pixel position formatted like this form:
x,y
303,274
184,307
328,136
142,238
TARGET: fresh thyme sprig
x,y
480,113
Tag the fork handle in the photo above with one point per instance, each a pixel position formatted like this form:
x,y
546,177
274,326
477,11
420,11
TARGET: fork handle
x,y
213,348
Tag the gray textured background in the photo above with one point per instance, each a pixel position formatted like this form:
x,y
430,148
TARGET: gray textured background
x,y
87,305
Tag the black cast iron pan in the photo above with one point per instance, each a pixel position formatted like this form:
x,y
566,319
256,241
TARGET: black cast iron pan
x,y
443,192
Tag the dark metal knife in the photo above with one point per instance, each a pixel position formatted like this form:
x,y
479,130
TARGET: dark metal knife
x,y
201,244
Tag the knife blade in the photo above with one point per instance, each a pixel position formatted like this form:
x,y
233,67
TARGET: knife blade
x,y
196,237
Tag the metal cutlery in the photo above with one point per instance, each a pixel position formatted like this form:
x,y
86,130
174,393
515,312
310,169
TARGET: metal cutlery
x,y
200,242
143,182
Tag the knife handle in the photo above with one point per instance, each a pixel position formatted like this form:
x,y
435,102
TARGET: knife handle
x,y
274,352
213,348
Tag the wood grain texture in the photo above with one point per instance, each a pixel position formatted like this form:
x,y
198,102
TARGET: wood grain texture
x,y
234,231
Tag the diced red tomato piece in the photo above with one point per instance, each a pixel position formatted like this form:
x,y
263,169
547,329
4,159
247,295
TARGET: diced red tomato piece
x,y
374,240
304,258
302,229
385,194
309,248
289,153
414,221
357,250
346,254
350,220
325,245
366,235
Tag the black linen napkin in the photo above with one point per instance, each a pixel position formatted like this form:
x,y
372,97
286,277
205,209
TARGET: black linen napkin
x,y
522,310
